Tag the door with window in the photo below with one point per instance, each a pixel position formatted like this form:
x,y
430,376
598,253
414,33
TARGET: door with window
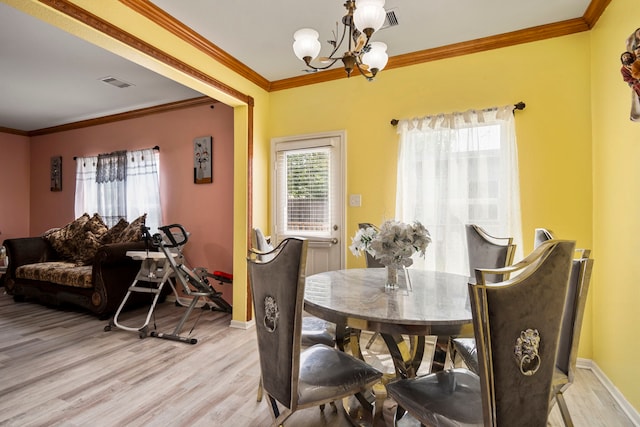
x,y
308,194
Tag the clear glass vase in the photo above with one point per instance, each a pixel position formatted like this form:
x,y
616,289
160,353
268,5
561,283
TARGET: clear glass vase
x,y
392,277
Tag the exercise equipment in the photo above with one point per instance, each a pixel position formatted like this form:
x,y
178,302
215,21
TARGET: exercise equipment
x,y
161,267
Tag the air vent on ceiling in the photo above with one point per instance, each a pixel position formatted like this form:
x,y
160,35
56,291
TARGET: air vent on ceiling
x,y
391,20
115,82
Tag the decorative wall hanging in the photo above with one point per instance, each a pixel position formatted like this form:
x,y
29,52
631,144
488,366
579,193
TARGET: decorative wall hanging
x,y
56,173
203,160
630,70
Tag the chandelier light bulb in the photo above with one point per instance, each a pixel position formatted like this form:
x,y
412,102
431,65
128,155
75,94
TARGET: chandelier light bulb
x,y
306,44
377,56
369,16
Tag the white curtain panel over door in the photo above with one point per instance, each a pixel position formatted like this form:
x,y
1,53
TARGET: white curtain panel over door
x,y
456,169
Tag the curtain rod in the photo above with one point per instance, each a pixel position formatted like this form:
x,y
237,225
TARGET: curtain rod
x,y
157,147
518,106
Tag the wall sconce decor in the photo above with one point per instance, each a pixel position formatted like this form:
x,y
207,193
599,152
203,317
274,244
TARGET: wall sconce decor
x,y
56,173
203,160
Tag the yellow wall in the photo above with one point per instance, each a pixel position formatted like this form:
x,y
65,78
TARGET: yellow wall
x,y
554,131
616,207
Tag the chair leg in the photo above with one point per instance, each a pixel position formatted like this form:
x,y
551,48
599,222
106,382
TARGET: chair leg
x,y
279,417
564,411
333,406
440,354
372,339
259,397
452,352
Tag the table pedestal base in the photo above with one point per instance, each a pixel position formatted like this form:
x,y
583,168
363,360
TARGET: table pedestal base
x,y
366,410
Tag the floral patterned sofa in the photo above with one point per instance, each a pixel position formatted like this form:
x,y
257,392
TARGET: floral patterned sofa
x,y
83,264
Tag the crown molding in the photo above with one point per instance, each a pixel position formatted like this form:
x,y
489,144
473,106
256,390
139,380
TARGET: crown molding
x,y
93,21
13,131
169,23
123,116
177,28
594,11
458,49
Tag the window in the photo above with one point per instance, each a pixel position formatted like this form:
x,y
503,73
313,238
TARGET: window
x,y
306,203
458,169
124,184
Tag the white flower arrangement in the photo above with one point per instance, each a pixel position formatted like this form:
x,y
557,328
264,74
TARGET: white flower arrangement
x,y
393,244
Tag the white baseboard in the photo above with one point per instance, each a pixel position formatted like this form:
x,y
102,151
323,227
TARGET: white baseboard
x,y
242,325
626,407
233,324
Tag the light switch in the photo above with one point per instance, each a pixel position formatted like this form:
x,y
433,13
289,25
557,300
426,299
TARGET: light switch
x,y
355,200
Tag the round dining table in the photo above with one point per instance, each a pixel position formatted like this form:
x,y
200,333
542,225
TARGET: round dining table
x,y
424,303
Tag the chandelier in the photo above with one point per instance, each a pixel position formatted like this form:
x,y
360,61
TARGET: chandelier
x,y
363,18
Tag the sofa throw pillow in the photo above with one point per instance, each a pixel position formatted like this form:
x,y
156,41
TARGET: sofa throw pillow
x,y
60,238
113,234
85,244
133,232
96,225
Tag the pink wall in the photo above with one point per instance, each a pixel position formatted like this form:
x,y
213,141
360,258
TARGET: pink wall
x,y
14,186
205,210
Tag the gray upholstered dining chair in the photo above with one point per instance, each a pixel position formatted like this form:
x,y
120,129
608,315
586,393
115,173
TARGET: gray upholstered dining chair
x,y
370,260
487,251
570,330
484,251
541,235
260,243
314,330
516,325
573,314
295,379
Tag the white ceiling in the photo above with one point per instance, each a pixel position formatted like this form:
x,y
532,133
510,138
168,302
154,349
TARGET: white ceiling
x,y
49,78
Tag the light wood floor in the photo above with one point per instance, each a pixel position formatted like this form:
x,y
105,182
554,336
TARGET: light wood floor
x,y
59,368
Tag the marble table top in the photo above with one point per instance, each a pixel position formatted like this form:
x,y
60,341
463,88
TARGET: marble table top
x,y
430,303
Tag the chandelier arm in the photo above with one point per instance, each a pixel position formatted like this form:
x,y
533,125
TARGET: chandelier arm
x,y
337,46
334,60
362,71
333,52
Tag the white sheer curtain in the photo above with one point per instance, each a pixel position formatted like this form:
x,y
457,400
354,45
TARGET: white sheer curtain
x,y
143,187
456,169
114,198
86,187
